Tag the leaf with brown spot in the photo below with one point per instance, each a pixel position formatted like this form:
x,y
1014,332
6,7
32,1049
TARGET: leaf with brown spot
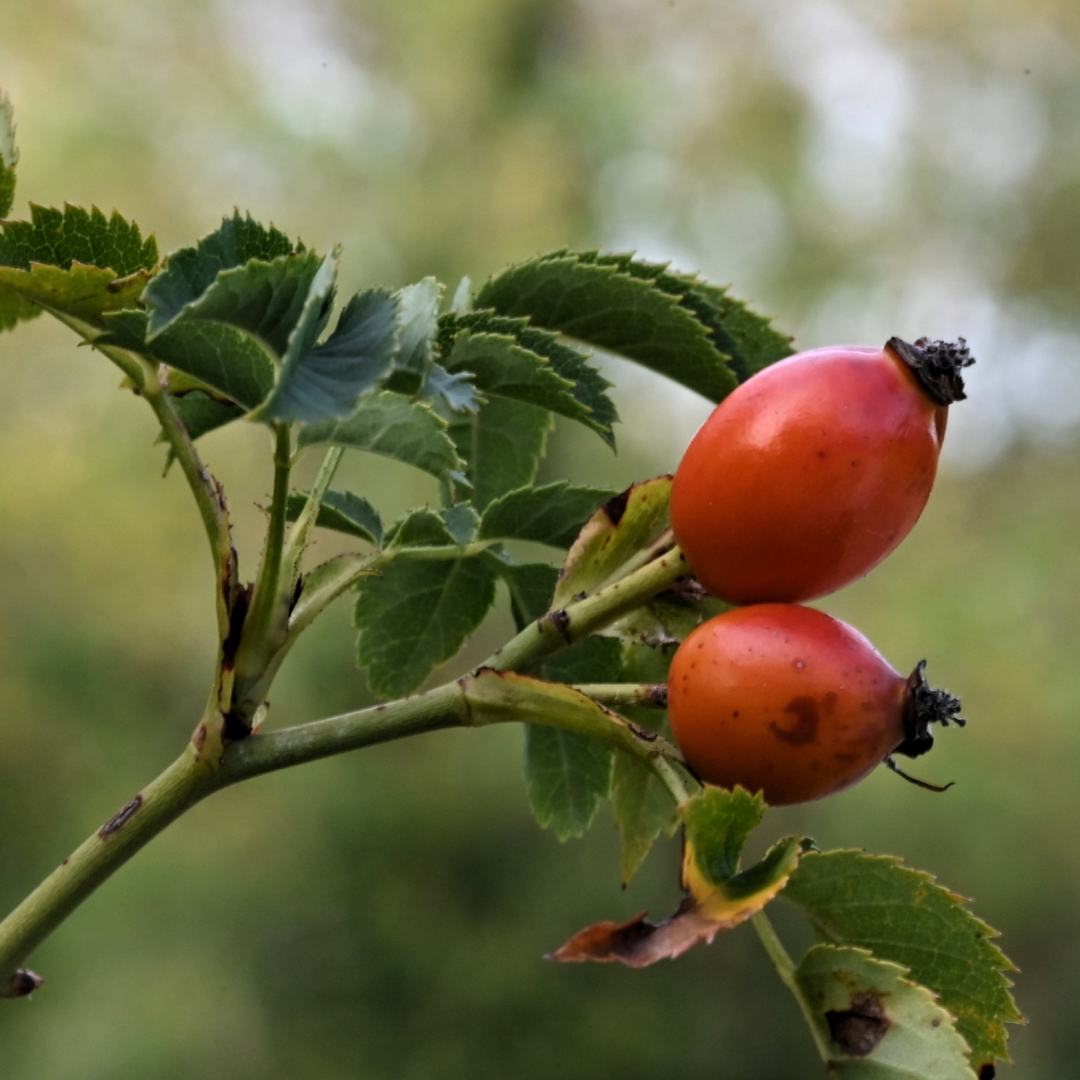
x,y
719,895
875,1023
619,529
903,915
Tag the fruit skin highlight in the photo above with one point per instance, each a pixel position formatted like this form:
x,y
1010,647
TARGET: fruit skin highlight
x,y
811,472
791,702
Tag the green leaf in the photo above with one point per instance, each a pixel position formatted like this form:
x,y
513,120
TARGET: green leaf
x,y
264,299
589,385
499,365
903,915
61,238
192,272
620,528
417,615
643,809
15,308
567,776
547,515
877,1024
325,382
531,586
614,310
73,262
9,158
343,512
718,824
643,805
219,356
200,413
501,445
747,341
422,527
455,392
418,319
391,425
462,521
594,660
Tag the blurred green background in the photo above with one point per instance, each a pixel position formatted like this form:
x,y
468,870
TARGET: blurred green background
x,y
858,168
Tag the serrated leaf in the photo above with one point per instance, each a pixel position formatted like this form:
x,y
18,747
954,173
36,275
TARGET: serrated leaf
x,y
461,303
462,521
551,515
264,299
567,776
455,392
418,318
422,527
9,158
84,292
191,272
747,338
621,527
343,512
74,262
391,425
903,915
200,413
614,310
878,1024
218,356
531,586
15,308
322,383
499,365
589,385
417,615
501,446
747,341
643,809
720,895
62,238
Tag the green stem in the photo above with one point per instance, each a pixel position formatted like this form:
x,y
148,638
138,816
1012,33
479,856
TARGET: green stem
x,y
626,695
209,497
265,625
308,516
560,629
179,787
785,968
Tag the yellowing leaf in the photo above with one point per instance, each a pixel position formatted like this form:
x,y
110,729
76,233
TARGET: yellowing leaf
x,y
718,895
619,529
85,292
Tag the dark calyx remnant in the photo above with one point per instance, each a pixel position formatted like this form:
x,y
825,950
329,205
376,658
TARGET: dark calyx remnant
x,y
937,366
924,706
20,984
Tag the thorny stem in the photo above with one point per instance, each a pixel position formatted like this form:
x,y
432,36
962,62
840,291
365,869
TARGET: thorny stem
x,y
785,968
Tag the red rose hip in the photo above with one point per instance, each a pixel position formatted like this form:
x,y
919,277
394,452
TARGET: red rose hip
x,y
811,472
791,702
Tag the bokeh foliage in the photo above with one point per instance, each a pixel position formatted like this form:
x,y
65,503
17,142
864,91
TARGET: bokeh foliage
x,y
859,169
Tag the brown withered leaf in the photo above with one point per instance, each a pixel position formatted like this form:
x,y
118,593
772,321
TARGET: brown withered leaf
x,y
718,895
